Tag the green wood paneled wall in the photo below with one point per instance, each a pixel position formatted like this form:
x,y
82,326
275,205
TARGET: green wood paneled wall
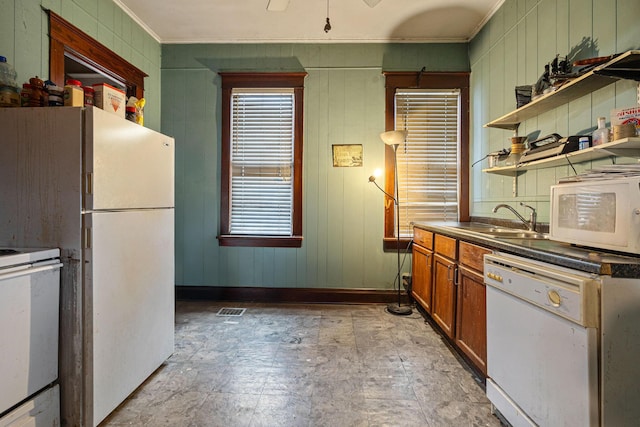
x,y
343,213
511,50
24,40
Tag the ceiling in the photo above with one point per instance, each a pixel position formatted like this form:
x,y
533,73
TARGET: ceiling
x,y
249,21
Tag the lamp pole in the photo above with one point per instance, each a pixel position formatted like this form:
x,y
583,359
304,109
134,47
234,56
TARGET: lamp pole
x,y
394,138
397,308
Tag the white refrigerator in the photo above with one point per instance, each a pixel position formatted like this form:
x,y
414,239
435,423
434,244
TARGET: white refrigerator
x,y
101,189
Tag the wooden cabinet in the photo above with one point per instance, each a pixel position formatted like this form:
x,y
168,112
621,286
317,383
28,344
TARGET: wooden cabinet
x,y
471,313
448,282
421,273
445,273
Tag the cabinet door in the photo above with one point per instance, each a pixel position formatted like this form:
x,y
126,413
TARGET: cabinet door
x,y
421,276
471,321
444,293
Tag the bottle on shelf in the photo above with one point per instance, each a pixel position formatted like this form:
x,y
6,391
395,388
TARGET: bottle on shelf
x,y
7,73
517,148
600,135
73,94
38,95
25,95
9,91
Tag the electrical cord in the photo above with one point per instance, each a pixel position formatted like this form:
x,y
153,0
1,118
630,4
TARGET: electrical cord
x,y
399,279
575,172
478,161
404,258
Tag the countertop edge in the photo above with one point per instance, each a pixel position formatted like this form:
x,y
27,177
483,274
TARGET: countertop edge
x,y
557,253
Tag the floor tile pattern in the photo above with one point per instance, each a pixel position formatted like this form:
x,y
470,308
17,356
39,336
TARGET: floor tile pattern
x,y
306,365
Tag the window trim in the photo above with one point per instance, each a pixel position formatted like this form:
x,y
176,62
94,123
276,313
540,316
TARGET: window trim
x,y
67,40
231,80
424,80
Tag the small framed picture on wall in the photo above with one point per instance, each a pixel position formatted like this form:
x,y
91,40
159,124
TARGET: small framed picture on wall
x,y
347,155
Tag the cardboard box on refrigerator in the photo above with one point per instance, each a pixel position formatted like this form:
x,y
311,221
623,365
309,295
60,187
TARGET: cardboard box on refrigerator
x,y
110,99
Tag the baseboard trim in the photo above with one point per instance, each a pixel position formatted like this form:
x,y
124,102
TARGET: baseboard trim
x,y
288,295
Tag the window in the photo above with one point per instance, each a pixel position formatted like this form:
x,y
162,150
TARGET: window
x,y
261,197
433,161
428,160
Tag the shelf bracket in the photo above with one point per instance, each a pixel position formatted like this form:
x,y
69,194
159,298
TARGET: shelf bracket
x,y
515,185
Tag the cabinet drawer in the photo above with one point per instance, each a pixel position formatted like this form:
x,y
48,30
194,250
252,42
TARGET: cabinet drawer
x,y
446,246
423,238
472,256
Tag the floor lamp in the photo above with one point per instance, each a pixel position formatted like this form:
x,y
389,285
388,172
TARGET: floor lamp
x,y
394,138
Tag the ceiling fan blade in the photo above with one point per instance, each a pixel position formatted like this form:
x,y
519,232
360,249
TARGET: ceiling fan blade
x,y
372,3
278,5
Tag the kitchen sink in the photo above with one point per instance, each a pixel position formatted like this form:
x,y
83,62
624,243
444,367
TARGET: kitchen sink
x,y
501,232
519,234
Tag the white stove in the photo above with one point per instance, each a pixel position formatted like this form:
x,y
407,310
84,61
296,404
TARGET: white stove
x,y
29,316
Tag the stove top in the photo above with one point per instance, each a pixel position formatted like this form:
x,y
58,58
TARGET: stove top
x,y
15,256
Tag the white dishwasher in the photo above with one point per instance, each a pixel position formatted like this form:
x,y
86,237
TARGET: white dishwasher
x,y
29,318
542,343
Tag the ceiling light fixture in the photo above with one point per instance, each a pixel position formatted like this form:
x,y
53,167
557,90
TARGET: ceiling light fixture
x,y
327,26
372,3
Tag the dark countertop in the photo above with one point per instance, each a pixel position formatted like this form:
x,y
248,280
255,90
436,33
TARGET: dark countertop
x,y
545,250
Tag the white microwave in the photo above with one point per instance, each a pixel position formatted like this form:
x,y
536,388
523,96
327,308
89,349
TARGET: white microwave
x,y
603,214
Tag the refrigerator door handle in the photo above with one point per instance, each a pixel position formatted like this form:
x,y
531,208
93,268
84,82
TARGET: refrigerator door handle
x,y
89,183
87,238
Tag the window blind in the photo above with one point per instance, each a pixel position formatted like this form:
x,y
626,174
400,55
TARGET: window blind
x,y
262,143
428,160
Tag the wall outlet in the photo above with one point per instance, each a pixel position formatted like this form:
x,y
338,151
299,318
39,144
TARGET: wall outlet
x,y
406,281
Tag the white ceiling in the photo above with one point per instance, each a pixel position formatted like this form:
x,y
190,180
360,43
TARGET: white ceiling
x,y
249,21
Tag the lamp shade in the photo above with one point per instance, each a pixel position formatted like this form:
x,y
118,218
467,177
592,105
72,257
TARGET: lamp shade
x,y
393,137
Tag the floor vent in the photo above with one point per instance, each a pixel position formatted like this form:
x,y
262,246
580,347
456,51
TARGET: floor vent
x,y
231,312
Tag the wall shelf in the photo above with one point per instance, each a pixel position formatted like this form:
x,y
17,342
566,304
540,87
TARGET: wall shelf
x,y
624,66
626,147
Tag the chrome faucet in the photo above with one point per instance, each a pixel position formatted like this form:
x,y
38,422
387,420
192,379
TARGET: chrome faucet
x,y
533,217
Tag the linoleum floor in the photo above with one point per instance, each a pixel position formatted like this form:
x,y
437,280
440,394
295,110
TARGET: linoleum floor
x,y
291,365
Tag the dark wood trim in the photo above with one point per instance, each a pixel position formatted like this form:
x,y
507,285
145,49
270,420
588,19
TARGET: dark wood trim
x,y
288,295
67,39
231,80
257,79
390,244
56,61
297,158
422,80
225,167
260,241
